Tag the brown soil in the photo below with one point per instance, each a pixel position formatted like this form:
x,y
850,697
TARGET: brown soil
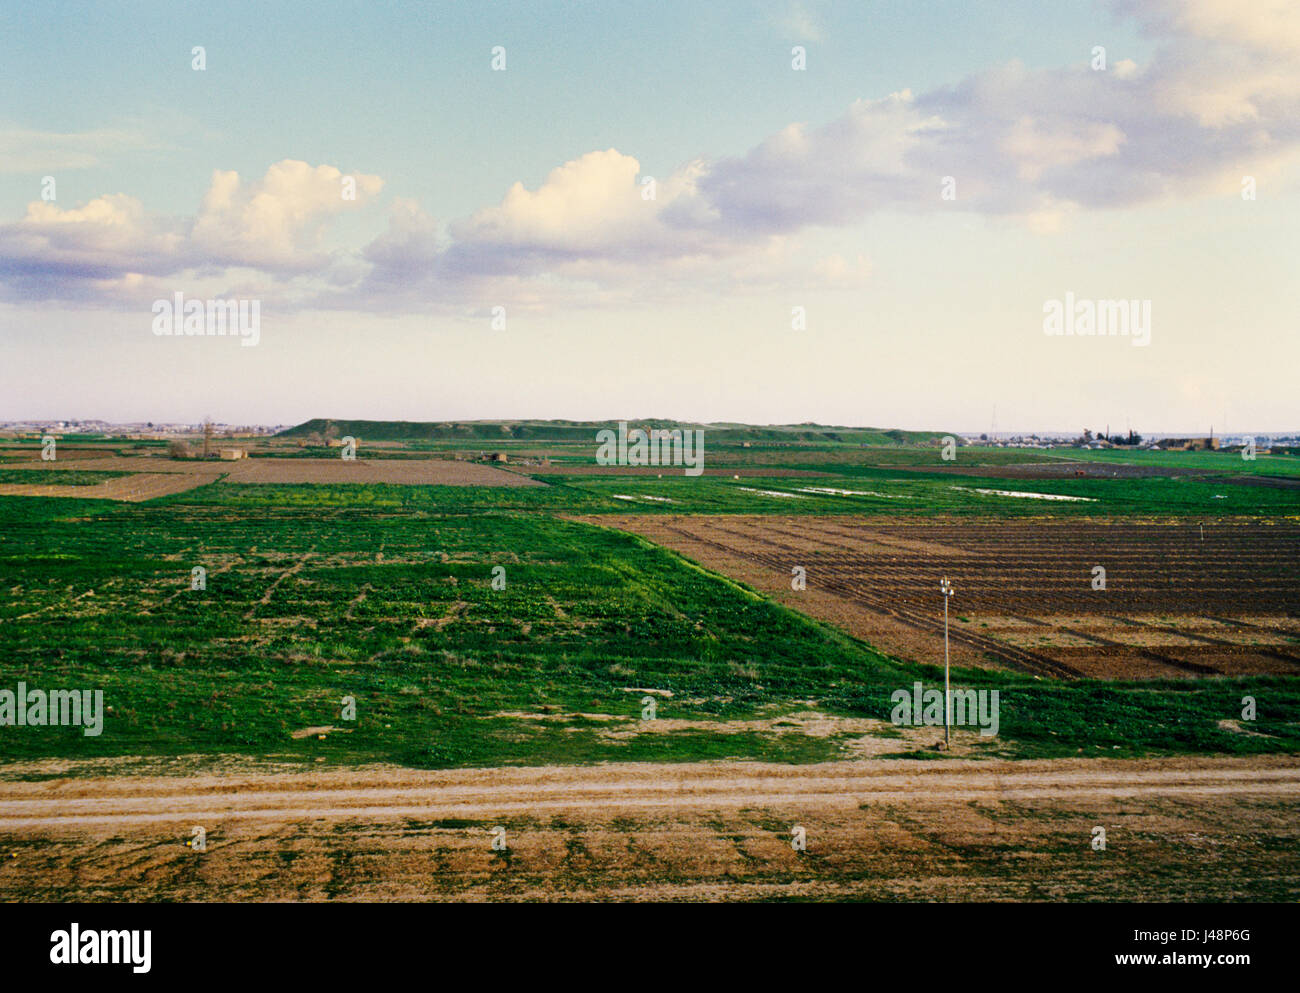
x,y
409,472
132,489
154,476
1176,829
664,470
1175,605
122,463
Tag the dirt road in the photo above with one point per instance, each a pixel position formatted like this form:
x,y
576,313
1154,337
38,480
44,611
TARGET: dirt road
x,y
1175,829
110,804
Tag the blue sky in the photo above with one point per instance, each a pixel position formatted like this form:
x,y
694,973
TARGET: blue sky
x,y
363,84
777,189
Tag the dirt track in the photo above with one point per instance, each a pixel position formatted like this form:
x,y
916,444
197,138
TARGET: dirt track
x,y
1177,829
484,793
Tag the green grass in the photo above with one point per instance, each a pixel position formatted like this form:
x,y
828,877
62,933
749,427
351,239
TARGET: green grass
x,y
384,594
896,492
1209,462
915,493
585,613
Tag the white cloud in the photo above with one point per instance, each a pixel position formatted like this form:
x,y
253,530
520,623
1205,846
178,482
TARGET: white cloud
x,y
275,222
111,244
1036,145
1228,62
589,202
25,150
1266,25
800,23
1220,96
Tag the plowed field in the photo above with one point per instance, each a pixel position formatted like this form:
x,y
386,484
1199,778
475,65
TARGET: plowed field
x,y
1178,601
154,477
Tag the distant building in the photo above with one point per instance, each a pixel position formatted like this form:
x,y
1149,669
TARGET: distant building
x,y
233,454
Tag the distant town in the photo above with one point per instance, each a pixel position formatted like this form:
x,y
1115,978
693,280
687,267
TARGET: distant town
x,y
135,430
1134,441
1086,439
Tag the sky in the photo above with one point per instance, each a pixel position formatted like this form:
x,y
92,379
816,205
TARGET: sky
x,y
850,213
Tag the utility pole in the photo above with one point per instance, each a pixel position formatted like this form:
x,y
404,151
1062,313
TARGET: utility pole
x,y
946,588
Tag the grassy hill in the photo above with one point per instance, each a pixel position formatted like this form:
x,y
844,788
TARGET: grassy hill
x,y
530,430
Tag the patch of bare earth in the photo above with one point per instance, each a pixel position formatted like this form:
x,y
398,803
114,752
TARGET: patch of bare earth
x,y
904,830
862,737
153,476
131,489
1178,602
563,469
407,472
125,463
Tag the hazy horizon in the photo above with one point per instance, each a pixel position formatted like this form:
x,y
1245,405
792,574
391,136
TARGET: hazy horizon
x,y
997,433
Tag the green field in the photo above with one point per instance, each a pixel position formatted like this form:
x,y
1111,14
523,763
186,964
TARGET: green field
x,y
875,491
1207,462
384,594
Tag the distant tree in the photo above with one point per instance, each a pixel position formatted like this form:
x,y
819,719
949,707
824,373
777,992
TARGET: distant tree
x,y
1125,439
178,449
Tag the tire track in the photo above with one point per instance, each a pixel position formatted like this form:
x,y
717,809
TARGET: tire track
x,y
475,794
